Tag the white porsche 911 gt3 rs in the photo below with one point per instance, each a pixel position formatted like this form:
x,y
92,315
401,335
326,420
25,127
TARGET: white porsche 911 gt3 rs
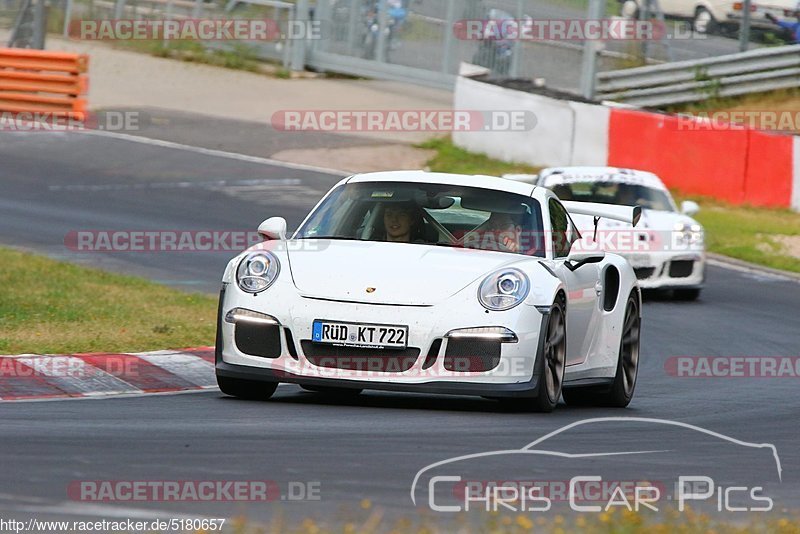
x,y
425,282
666,251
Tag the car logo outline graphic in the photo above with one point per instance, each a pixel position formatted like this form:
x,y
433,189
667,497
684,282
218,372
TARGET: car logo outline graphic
x,y
528,449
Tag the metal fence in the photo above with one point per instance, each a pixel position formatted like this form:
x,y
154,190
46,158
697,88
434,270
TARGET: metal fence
x,y
764,69
417,41
420,42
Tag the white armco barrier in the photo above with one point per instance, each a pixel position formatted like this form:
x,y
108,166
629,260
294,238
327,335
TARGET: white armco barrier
x,y
566,132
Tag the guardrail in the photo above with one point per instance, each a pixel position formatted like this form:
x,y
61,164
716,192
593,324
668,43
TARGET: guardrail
x,y
763,69
36,81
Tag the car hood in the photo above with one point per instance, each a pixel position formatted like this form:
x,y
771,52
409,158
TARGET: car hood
x,y
397,273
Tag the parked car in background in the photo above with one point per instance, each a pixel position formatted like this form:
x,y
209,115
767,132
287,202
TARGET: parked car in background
x,y
712,16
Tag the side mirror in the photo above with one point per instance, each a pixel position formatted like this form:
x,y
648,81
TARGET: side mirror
x,y
689,207
273,229
584,252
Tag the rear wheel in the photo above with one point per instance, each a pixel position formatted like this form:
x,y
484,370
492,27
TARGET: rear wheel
x,y
246,389
620,393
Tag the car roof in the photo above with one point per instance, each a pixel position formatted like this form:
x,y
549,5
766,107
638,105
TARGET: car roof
x,y
563,175
480,181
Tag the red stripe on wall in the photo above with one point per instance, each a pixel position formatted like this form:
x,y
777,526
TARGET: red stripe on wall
x,y
731,164
703,162
770,170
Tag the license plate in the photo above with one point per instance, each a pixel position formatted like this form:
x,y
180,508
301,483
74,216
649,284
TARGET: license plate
x,y
374,336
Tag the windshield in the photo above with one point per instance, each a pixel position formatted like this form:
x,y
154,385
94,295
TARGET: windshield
x,y
615,193
429,214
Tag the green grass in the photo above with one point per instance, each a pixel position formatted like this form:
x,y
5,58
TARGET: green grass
x,y
54,307
239,57
778,100
749,233
450,158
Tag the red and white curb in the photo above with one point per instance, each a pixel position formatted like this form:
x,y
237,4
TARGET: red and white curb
x,y
33,376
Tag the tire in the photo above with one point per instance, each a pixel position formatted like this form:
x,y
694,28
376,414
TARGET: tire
x,y
704,22
553,360
686,295
338,392
246,389
620,393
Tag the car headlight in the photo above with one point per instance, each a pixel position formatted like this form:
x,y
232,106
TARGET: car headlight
x,y
504,289
257,271
692,233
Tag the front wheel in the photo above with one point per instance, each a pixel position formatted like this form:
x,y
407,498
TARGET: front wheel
x,y
553,360
704,22
246,389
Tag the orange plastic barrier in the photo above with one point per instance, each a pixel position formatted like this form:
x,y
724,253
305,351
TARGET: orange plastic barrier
x,y
736,165
39,81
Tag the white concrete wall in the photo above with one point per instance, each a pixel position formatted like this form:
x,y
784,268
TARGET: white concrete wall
x,y
566,133
590,139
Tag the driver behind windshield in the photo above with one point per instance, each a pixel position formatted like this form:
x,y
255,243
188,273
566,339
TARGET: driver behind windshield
x,y
403,222
500,232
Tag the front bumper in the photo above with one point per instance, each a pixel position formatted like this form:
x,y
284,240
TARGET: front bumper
x,y
669,270
757,20
427,367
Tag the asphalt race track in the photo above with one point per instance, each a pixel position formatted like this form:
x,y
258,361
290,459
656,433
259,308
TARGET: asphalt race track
x,y
372,446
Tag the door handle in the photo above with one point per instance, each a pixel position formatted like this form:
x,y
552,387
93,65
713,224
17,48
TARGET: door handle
x,y
598,287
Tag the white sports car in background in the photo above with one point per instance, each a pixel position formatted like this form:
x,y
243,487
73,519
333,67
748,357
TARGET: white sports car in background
x,y
666,250
424,282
